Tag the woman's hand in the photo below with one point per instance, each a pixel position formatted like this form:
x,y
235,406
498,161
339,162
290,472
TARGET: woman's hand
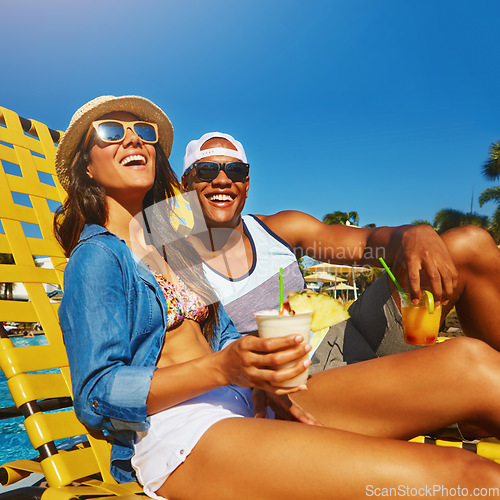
x,y
254,362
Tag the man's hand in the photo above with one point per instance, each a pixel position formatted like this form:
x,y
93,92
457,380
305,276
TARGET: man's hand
x,y
423,261
283,407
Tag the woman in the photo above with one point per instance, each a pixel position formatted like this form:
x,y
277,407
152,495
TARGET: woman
x,y
156,361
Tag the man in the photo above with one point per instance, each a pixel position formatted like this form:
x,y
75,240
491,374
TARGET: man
x,y
242,257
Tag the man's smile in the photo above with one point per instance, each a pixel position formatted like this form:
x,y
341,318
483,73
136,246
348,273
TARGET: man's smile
x,y
221,197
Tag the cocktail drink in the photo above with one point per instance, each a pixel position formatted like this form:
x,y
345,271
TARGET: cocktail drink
x,y
420,321
271,324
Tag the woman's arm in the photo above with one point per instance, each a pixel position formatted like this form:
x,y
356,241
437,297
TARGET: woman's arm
x,y
225,330
248,362
109,391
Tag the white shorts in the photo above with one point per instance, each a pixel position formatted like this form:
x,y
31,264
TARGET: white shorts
x,y
174,432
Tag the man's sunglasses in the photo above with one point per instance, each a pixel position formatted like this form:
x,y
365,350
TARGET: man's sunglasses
x,y
207,171
113,131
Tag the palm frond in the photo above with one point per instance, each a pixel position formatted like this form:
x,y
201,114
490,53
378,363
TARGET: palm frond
x,y
491,167
490,194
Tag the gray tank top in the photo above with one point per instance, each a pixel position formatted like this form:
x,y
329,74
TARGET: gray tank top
x,y
259,288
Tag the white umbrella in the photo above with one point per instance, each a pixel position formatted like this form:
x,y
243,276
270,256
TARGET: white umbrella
x,y
341,286
338,268
323,278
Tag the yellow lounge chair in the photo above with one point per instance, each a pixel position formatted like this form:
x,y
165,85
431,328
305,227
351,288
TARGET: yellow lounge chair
x,y
38,376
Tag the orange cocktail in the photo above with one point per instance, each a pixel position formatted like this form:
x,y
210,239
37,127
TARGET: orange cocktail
x,y
420,326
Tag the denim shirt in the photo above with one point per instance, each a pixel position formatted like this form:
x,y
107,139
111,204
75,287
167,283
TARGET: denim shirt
x,y
113,316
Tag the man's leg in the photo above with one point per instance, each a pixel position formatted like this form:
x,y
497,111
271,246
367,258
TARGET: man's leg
x,y
342,345
477,296
374,329
377,317
375,322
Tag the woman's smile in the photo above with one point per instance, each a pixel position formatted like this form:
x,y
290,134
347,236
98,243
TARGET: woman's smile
x,y
134,160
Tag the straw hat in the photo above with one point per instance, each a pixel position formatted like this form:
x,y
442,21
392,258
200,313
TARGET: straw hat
x,y
81,121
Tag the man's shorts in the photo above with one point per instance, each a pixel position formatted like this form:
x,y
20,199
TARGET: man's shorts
x,y
374,329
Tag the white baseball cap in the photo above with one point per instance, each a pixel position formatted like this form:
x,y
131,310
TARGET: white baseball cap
x,y
195,153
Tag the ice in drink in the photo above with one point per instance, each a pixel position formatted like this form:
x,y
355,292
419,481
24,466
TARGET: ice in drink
x,y
271,324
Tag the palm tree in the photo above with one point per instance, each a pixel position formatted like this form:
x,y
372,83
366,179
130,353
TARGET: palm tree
x,y
493,194
491,167
419,222
6,289
448,218
491,170
344,218
366,278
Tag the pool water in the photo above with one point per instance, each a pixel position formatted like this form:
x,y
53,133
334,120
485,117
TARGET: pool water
x,y
14,442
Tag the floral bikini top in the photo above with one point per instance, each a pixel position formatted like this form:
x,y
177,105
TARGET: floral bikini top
x,y
182,302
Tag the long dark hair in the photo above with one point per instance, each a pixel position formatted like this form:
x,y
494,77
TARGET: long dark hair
x,y
86,204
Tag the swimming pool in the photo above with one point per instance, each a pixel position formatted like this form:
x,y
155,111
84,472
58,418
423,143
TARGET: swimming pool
x,y
14,442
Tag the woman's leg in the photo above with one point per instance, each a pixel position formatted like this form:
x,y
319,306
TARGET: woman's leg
x,y
406,394
267,459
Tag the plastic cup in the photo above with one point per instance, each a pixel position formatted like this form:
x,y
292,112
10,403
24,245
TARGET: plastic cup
x,y
271,324
419,326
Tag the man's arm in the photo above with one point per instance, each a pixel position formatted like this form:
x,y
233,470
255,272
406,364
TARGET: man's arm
x,y
415,253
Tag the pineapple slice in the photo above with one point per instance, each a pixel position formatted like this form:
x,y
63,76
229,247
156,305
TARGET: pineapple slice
x,y
326,310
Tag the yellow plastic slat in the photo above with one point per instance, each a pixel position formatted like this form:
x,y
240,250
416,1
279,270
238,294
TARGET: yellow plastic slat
x,y
45,310
31,386
14,310
32,186
44,428
418,439
19,469
6,153
40,247
43,213
28,274
65,467
48,248
6,343
449,443
31,359
489,448
14,133
126,491
102,451
18,243
4,244
22,213
24,312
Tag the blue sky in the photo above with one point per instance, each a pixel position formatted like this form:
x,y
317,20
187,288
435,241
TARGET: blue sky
x,y
385,107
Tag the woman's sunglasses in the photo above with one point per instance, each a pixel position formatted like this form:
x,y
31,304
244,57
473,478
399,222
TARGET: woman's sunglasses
x,y
113,131
207,171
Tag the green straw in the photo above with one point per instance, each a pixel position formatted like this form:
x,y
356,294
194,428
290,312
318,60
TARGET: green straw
x,y
389,272
281,288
